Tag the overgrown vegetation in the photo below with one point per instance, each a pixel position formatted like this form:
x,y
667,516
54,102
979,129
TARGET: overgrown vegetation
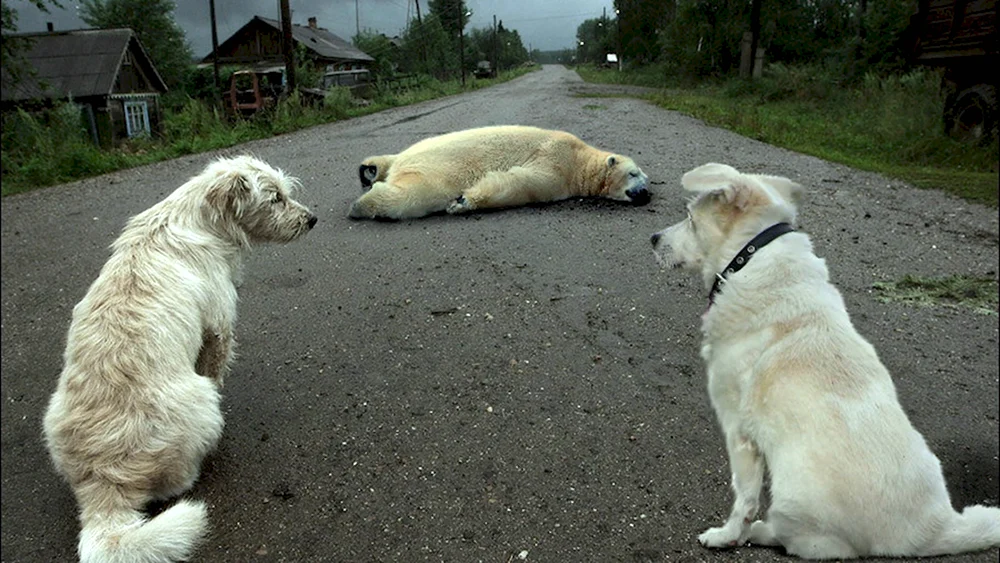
x,y
888,124
42,149
52,144
839,82
977,293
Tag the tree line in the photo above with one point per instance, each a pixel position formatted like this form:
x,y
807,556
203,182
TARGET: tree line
x,y
700,38
437,44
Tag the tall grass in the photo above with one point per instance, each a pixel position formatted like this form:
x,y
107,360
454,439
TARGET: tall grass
x,y
48,149
887,124
659,75
52,147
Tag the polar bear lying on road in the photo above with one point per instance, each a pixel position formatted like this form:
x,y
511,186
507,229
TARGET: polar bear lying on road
x,y
493,167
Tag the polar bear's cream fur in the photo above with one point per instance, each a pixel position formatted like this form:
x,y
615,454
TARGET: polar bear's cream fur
x,y
493,167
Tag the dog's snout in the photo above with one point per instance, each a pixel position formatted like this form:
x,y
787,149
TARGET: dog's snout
x,y
312,221
655,238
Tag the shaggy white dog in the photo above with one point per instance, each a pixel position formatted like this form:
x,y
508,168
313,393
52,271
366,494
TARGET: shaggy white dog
x,y
799,392
137,404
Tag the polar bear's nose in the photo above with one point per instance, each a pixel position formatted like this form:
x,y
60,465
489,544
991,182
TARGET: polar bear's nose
x,y
639,195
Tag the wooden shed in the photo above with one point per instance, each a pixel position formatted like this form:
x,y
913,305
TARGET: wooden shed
x,y
106,71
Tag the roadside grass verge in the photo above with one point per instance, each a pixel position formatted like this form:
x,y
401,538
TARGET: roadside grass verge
x,y
41,150
977,293
890,125
652,76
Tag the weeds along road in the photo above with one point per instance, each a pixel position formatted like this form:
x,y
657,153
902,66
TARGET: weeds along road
x,y
471,388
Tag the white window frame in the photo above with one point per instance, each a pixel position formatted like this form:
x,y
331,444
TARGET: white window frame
x,y
129,125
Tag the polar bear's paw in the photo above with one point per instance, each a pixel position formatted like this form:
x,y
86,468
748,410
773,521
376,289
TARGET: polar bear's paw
x,y
460,205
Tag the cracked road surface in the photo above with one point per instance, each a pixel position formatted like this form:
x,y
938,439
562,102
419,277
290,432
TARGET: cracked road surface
x,y
480,388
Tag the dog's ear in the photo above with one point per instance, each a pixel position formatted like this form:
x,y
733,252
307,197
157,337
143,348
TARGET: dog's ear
x,y
231,193
709,177
737,195
790,191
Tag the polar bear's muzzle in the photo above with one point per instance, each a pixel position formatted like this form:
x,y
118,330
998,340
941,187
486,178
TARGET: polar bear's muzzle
x,y
639,195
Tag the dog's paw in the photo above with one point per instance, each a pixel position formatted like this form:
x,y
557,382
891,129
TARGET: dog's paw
x,y
460,205
720,537
762,533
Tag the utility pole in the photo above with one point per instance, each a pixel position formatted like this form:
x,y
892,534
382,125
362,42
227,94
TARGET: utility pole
x,y
755,34
494,69
602,44
618,32
215,49
461,38
357,17
287,47
420,31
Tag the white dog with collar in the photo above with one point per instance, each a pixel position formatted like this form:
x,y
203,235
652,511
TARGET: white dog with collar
x,y
799,393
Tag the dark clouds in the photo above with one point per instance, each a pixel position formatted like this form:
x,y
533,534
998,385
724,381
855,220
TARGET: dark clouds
x,y
543,24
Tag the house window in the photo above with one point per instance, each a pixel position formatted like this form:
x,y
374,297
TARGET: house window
x,y
137,118
127,59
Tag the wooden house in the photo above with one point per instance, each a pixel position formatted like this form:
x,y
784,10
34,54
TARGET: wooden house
x,y
105,71
258,44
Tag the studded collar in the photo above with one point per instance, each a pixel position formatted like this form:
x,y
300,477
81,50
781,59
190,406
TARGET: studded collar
x,y
744,256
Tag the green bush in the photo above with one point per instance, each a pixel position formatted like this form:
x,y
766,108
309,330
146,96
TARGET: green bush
x,y
47,148
338,102
788,82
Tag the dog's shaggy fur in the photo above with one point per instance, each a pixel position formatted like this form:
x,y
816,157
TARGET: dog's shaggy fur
x,y
491,168
137,403
800,393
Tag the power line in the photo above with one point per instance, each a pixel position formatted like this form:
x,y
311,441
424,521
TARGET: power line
x,y
592,14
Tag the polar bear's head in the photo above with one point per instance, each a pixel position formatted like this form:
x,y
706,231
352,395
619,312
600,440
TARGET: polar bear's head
x,y
625,181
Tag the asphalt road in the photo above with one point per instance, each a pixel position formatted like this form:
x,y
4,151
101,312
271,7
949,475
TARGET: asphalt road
x,y
516,385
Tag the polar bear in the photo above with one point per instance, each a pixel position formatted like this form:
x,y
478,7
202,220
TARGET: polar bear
x,y
490,168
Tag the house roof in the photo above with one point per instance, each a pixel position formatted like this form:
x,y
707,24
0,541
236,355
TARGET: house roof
x,y
78,63
319,40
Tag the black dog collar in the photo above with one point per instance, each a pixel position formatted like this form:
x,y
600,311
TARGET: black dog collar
x,y
744,256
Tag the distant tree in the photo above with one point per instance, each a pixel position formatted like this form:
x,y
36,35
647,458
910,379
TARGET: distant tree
x,y
154,24
806,31
639,25
380,48
479,44
453,14
595,38
704,36
884,48
562,56
427,49
511,51
12,48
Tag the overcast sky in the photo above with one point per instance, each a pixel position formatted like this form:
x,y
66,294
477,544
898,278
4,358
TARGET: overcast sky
x,y
543,24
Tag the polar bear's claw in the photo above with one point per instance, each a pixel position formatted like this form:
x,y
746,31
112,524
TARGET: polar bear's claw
x,y
460,205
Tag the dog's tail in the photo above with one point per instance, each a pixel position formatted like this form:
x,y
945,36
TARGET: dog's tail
x,y
975,529
115,533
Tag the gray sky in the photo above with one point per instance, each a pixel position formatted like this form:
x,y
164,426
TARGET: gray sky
x,y
543,24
